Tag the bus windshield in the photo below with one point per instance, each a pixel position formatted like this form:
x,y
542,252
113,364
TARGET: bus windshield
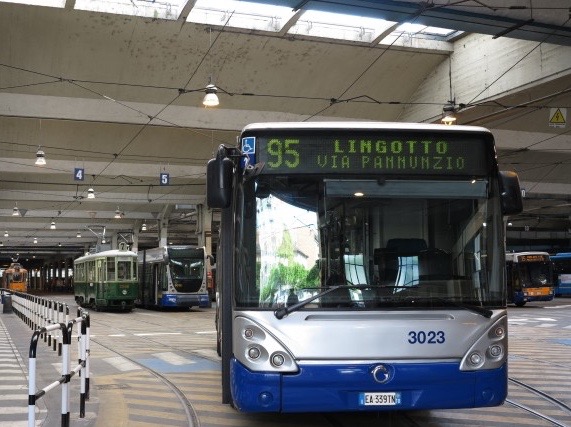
x,y
534,274
384,243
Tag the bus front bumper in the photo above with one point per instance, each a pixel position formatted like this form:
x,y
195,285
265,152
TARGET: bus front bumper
x,y
351,387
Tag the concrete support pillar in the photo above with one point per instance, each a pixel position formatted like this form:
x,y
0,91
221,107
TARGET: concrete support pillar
x,y
204,227
44,277
135,245
163,235
67,266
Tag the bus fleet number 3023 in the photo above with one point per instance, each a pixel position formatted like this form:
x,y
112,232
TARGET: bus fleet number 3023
x,y
426,337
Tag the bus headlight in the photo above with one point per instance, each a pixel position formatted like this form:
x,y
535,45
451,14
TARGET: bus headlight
x,y
489,351
475,358
277,359
258,350
254,353
495,350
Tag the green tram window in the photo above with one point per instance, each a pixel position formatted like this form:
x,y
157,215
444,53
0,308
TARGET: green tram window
x,y
111,268
124,270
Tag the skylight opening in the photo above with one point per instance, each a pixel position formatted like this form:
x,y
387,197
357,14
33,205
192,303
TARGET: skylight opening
x,y
240,14
423,29
47,3
406,32
339,26
148,9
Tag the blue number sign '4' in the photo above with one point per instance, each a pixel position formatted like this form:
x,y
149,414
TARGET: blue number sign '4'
x,y
78,174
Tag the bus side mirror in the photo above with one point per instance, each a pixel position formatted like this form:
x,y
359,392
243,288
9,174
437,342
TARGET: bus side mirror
x,y
510,193
219,182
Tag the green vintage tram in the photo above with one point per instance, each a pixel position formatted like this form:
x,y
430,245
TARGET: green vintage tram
x,y
106,280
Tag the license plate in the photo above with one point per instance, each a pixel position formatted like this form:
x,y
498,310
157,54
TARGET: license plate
x,y
379,399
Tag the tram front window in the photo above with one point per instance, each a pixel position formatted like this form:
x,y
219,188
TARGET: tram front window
x,y
399,244
186,273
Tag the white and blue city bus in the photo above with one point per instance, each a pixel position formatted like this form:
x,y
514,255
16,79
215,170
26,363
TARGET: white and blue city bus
x,y
361,267
562,273
173,277
529,277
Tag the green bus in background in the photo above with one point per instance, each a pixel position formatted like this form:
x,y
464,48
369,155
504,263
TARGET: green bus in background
x,y
106,280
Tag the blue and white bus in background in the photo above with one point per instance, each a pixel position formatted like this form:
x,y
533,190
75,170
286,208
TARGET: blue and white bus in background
x,y
361,267
562,273
529,277
173,276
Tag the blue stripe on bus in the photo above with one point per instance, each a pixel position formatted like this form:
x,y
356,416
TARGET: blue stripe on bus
x,y
338,387
184,300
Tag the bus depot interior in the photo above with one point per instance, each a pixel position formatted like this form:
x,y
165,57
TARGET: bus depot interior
x,y
104,136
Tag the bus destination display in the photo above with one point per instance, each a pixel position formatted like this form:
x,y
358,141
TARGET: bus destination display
x,y
533,258
371,154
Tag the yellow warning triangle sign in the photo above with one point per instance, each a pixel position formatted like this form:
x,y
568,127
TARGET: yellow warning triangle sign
x,y
557,118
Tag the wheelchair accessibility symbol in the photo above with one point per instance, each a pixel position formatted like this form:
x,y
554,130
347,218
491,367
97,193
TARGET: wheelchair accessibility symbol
x,y
249,145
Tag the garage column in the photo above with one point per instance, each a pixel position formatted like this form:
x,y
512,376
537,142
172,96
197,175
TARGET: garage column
x,y
204,227
135,236
163,232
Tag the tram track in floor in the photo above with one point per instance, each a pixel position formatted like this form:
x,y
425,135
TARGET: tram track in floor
x,y
202,388
185,404
563,407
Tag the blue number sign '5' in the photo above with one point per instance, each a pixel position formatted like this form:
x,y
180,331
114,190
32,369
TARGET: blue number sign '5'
x,y
426,337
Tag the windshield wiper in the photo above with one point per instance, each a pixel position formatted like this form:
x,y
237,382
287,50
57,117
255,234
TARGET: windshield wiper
x,y
470,307
282,312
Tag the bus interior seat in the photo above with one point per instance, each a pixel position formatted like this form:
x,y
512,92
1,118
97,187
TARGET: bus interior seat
x,y
386,259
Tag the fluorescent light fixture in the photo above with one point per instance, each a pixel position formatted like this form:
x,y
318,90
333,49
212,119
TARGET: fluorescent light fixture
x,y
35,240
78,234
91,193
53,225
15,211
144,227
6,234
